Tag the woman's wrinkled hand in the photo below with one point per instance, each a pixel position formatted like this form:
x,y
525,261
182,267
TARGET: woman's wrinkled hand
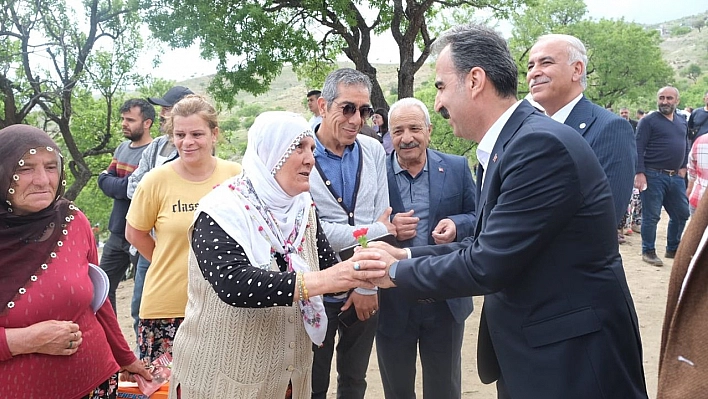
x,y
352,273
51,337
137,367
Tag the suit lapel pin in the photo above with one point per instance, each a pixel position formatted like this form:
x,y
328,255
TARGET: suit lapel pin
x,y
440,169
582,125
495,158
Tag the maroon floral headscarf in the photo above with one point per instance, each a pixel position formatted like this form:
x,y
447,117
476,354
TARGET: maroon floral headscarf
x,y
21,251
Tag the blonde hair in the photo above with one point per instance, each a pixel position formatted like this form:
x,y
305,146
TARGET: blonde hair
x,y
193,104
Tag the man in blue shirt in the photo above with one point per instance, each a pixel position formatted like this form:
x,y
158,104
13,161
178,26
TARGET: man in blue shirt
x,y
662,151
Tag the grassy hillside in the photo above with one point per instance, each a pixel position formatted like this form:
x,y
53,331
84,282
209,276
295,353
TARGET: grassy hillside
x,y
683,50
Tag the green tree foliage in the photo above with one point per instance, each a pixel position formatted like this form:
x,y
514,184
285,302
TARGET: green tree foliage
x,y
154,87
252,39
692,72
680,30
90,112
625,60
692,95
546,16
15,94
51,49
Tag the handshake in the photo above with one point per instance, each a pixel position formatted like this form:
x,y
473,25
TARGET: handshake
x,y
370,265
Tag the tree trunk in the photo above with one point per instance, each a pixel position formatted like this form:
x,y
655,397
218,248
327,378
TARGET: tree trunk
x,y
80,180
406,79
378,100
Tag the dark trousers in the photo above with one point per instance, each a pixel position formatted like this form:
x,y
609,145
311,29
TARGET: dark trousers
x,y
433,331
115,260
353,352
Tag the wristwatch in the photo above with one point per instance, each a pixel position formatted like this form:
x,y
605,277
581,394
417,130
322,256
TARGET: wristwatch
x,y
392,272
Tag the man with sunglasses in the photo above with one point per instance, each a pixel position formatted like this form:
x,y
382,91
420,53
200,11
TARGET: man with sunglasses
x,y
350,191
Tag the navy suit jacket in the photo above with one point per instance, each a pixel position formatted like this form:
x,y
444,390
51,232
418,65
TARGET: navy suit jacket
x,y
612,140
452,195
558,320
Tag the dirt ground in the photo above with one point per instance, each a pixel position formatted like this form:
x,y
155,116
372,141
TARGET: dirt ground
x,y
648,285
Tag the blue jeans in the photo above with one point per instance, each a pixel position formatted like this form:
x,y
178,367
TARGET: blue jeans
x,y
140,271
669,192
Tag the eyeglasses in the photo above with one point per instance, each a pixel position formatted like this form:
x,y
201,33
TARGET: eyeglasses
x,y
349,109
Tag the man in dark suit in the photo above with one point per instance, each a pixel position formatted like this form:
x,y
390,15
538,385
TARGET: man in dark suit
x,y
433,197
558,319
557,78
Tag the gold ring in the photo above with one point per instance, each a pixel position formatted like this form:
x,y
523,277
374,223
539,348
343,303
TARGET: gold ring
x,y
71,345
373,312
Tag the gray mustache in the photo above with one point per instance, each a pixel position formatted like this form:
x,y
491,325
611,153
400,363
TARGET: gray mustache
x,y
405,146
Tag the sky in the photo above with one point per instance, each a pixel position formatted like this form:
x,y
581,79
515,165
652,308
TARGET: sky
x,y
641,11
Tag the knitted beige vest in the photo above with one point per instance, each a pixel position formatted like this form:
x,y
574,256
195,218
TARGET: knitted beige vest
x,y
222,351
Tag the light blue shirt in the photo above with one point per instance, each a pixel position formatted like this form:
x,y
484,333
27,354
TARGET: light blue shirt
x,y
341,171
415,194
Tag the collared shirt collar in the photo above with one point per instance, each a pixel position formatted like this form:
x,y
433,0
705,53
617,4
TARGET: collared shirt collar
x,y
398,169
563,113
486,145
321,150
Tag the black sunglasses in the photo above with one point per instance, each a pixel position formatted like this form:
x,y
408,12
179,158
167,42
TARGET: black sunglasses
x,y
349,109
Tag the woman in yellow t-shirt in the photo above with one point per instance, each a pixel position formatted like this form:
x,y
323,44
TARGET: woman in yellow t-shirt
x,y
165,201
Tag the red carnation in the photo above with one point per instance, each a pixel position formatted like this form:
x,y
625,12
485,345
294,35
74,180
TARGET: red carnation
x,y
360,235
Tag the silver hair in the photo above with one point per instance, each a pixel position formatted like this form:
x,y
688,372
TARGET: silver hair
x,y
346,77
576,52
409,101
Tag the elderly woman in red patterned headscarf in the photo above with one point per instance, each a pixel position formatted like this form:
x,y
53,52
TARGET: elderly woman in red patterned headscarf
x,y
52,343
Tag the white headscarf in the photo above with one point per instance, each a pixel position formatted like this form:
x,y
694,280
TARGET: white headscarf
x,y
255,211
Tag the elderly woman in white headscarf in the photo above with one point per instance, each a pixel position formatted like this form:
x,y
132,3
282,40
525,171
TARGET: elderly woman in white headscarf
x,y
255,284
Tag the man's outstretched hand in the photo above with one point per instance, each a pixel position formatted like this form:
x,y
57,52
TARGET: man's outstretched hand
x,y
375,251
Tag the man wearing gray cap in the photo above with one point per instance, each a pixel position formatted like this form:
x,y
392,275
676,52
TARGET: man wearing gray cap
x,y
160,151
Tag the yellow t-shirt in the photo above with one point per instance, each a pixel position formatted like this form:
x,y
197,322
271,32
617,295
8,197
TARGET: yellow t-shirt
x,y
166,202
